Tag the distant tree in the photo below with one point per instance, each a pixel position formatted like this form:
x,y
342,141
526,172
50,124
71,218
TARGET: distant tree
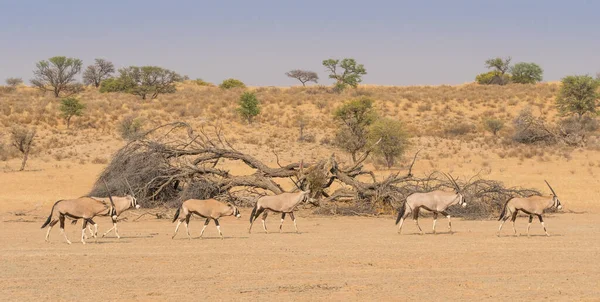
x,y
579,95
354,118
498,64
22,139
148,80
232,83
57,75
249,106
69,108
303,76
392,137
14,82
500,67
493,125
100,71
526,73
351,75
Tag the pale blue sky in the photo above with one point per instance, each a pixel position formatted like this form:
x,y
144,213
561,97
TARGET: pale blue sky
x,y
399,42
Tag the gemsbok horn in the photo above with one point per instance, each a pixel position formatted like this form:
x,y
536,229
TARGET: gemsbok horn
x,y
435,201
532,205
209,209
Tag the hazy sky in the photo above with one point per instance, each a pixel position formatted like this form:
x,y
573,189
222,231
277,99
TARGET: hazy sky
x,y
399,42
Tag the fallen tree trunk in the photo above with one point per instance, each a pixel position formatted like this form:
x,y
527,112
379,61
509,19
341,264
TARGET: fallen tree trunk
x,y
172,163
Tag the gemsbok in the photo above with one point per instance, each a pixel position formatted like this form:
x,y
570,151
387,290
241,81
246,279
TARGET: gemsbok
x,y
84,208
209,209
284,203
533,205
121,204
435,201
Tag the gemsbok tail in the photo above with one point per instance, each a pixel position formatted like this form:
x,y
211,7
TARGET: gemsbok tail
x,y
50,216
176,214
253,212
503,210
401,212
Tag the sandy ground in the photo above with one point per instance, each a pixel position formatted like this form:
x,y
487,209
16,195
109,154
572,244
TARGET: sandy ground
x,y
333,258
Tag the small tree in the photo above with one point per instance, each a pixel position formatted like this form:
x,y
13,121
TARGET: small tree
x,y
100,71
351,75
493,125
232,83
14,82
249,106
303,76
393,136
579,95
500,66
69,108
57,75
354,118
148,80
526,73
22,139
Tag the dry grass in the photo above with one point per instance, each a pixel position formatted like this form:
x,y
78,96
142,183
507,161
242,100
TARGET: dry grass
x,y
446,122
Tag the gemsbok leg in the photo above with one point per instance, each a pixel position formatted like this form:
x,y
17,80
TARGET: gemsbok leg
x,y
416,220
281,225
504,219
449,222
264,217
258,212
114,227
61,219
435,216
204,227
529,224
49,228
513,218
543,225
83,228
219,228
294,220
187,225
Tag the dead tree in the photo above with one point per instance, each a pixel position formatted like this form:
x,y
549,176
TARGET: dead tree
x,y
22,139
173,162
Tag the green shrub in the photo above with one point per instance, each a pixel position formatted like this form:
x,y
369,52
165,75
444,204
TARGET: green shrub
x,y
201,82
232,83
249,106
113,85
69,108
394,139
493,125
526,73
578,95
493,78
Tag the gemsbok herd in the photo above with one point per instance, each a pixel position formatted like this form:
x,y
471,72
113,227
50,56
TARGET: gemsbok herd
x,y
88,207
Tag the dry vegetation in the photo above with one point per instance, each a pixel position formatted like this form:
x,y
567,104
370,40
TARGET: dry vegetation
x,y
446,122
